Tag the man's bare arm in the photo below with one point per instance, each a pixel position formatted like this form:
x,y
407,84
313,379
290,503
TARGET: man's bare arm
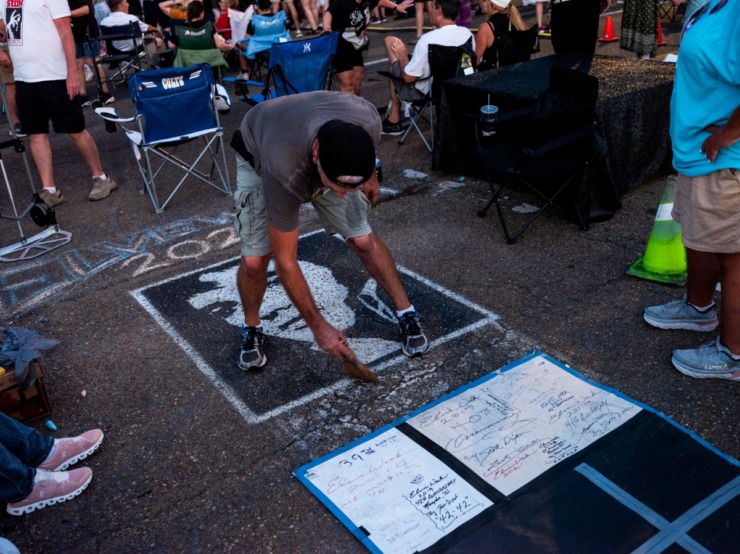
x,y
285,254
64,28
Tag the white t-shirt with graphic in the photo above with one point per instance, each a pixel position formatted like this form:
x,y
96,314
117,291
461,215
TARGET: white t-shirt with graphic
x,y
33,40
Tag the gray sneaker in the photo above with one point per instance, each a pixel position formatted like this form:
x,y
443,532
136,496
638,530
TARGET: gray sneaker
x,y
711,361
681,315
102,188
414,341
52,199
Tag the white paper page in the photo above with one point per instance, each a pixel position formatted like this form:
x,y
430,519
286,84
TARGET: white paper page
x,y
521,423
402,495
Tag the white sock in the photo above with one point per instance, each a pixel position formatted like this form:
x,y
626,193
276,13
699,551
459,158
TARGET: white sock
x,y
102,177
51,190
407,310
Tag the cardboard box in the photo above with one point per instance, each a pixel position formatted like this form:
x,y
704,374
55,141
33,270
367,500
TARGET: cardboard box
x,y
24,405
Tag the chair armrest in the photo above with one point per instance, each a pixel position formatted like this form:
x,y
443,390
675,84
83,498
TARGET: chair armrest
x,y
110,114
560,141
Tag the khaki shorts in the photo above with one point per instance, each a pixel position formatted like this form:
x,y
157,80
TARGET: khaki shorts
x,y
708,209
346,216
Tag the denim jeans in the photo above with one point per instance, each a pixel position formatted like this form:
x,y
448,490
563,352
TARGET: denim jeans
x,y
21,450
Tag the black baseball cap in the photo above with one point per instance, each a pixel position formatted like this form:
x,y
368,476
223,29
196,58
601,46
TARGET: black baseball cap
x,y
346,153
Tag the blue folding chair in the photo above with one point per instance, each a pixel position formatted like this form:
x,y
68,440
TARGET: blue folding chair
x,y
175,106
300,66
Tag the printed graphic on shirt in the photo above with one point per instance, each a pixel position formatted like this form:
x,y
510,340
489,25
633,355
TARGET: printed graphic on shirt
x,y
14,22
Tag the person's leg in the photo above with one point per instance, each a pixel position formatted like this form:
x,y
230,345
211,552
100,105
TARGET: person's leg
x,y
251,281
379,263
357,75
702,275
10,106
21,449
41,153
294,16
310,15
539,9
346,80
730,305
419,18
398,58
89,151
250,221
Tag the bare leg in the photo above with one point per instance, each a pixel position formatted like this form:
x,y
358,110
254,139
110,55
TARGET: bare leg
x,y
251,281
81,76
730,308
397,52
309,13
346,81
41,152
539,8
379,263
703,272
10,105
357,74
419,18
89,151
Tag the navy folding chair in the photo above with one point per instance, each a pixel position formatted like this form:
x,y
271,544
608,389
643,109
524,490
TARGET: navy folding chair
x,y
175,106
301,65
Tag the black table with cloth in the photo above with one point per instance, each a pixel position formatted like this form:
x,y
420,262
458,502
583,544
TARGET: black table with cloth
x,y
633,112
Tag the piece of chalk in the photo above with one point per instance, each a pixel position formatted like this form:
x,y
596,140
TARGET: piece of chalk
x,y
83,393
50,425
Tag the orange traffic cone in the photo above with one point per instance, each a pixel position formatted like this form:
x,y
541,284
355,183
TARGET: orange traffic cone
x,y
608,31
661,41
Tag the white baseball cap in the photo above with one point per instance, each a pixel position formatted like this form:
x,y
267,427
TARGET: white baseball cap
x,y
503,4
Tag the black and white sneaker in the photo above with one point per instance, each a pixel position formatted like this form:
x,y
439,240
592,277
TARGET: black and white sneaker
x,y
19,130
252,354
393,128
414,341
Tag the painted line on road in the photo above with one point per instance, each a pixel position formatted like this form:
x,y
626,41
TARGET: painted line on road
x,y
489,318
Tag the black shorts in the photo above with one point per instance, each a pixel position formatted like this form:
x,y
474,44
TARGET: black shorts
x,y
48,100
347,57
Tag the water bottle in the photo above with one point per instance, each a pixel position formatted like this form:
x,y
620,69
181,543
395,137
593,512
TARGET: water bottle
x,y
379,170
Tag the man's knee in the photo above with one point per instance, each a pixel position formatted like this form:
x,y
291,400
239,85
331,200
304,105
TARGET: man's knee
x,y
363,245
253,267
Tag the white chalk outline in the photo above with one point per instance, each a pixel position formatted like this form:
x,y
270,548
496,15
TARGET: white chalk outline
x,y
490,318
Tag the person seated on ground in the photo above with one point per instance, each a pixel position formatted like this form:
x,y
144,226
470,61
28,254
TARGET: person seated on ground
x,y
33,466
502,16
197,27
416,71
120,16
351,18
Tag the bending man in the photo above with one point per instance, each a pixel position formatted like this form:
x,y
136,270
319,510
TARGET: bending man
x,y
326,158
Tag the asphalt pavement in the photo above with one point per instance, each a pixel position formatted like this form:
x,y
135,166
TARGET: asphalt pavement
x,y
198,456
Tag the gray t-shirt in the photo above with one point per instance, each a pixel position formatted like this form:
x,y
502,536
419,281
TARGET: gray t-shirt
x,y
279,134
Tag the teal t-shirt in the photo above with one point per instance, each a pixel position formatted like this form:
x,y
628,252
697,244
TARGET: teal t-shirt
x,y
707,88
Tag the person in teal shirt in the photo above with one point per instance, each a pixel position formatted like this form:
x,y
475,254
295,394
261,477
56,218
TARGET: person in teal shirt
x,y
705,132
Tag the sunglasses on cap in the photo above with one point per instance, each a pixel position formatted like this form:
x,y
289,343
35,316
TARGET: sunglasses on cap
x,y
344,181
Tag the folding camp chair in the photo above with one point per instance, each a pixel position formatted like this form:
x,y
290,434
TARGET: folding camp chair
x,y
301,65
517,46
268,30
545,149
175,106
195,46
122,63
445,62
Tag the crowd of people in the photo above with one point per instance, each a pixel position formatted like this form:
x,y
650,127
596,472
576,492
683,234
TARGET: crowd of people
x,y
285,159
